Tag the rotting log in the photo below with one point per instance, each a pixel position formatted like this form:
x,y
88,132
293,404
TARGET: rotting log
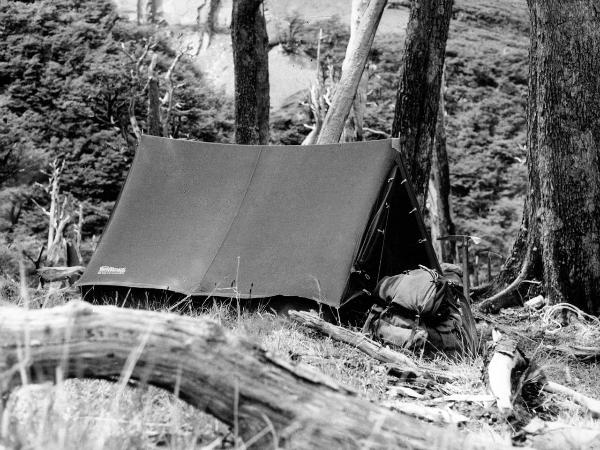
x,y
400,362
215,370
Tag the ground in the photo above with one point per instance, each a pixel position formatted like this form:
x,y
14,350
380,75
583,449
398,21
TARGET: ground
x,y
77,414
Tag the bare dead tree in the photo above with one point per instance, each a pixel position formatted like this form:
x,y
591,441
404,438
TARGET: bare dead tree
x,y
62,210
135,75
154,11
357,54
353,129
168,98
206,23
159,110
318,97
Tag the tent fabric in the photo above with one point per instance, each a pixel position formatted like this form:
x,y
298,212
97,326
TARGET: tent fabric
x,y
319,222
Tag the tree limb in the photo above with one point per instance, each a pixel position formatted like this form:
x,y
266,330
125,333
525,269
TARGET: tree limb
x,y
375,350
491,304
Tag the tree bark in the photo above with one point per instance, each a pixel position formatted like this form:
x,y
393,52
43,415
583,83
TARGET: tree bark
x,y
357,53
418,95
439,190
153,115
235,380
251,72
561,220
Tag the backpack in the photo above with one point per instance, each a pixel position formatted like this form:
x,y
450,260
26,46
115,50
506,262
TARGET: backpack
x,y
423,308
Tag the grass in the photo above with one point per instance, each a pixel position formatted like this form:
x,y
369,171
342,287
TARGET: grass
x,y
95,414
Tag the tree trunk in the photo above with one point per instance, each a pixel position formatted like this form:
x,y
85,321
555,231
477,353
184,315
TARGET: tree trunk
x,y
354,62
561,220
439,190
353,130
418,95
289,405
153,115
206,23
251,72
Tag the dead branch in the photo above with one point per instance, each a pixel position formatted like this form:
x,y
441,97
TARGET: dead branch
x,y
378,132
375,350
213,369
576,351
135,77
493,303
316,99
590,404
557,435
51,274
430,413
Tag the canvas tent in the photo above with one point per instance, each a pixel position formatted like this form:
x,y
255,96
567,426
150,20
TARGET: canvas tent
x,y
320,222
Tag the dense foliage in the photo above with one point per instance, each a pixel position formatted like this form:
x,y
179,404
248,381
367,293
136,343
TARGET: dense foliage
x,y
65,91
66,86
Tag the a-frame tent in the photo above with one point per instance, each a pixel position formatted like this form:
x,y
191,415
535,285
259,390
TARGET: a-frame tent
x,y
322,222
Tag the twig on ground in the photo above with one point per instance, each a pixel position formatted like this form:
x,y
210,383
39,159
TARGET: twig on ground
x,y
591,404
374,349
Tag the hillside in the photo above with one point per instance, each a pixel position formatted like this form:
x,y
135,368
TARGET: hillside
x,y
486,77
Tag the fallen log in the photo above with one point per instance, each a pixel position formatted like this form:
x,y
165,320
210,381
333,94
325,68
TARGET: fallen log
x,y
214,370
50,274
401,363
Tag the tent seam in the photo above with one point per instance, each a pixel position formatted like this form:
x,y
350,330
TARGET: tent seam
x,y
235,217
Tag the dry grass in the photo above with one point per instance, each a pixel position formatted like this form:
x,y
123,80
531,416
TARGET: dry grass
x,y
93,414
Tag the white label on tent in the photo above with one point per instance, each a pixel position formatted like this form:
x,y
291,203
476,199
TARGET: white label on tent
x,y
109,270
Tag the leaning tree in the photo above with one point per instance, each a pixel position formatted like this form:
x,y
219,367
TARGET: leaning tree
x,y
251,72
559,240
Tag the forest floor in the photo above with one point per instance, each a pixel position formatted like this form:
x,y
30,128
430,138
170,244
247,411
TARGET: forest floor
x,y
85,414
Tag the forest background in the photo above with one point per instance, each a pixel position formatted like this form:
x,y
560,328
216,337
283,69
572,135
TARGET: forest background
x,y
67,79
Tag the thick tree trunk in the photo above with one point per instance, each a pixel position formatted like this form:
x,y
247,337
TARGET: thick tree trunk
x,y
561,221
419,90
251,72
439,191
235,380
354,63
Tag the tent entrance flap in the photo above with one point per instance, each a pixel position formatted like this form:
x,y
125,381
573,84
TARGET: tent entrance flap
x,y
257,221
394,240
